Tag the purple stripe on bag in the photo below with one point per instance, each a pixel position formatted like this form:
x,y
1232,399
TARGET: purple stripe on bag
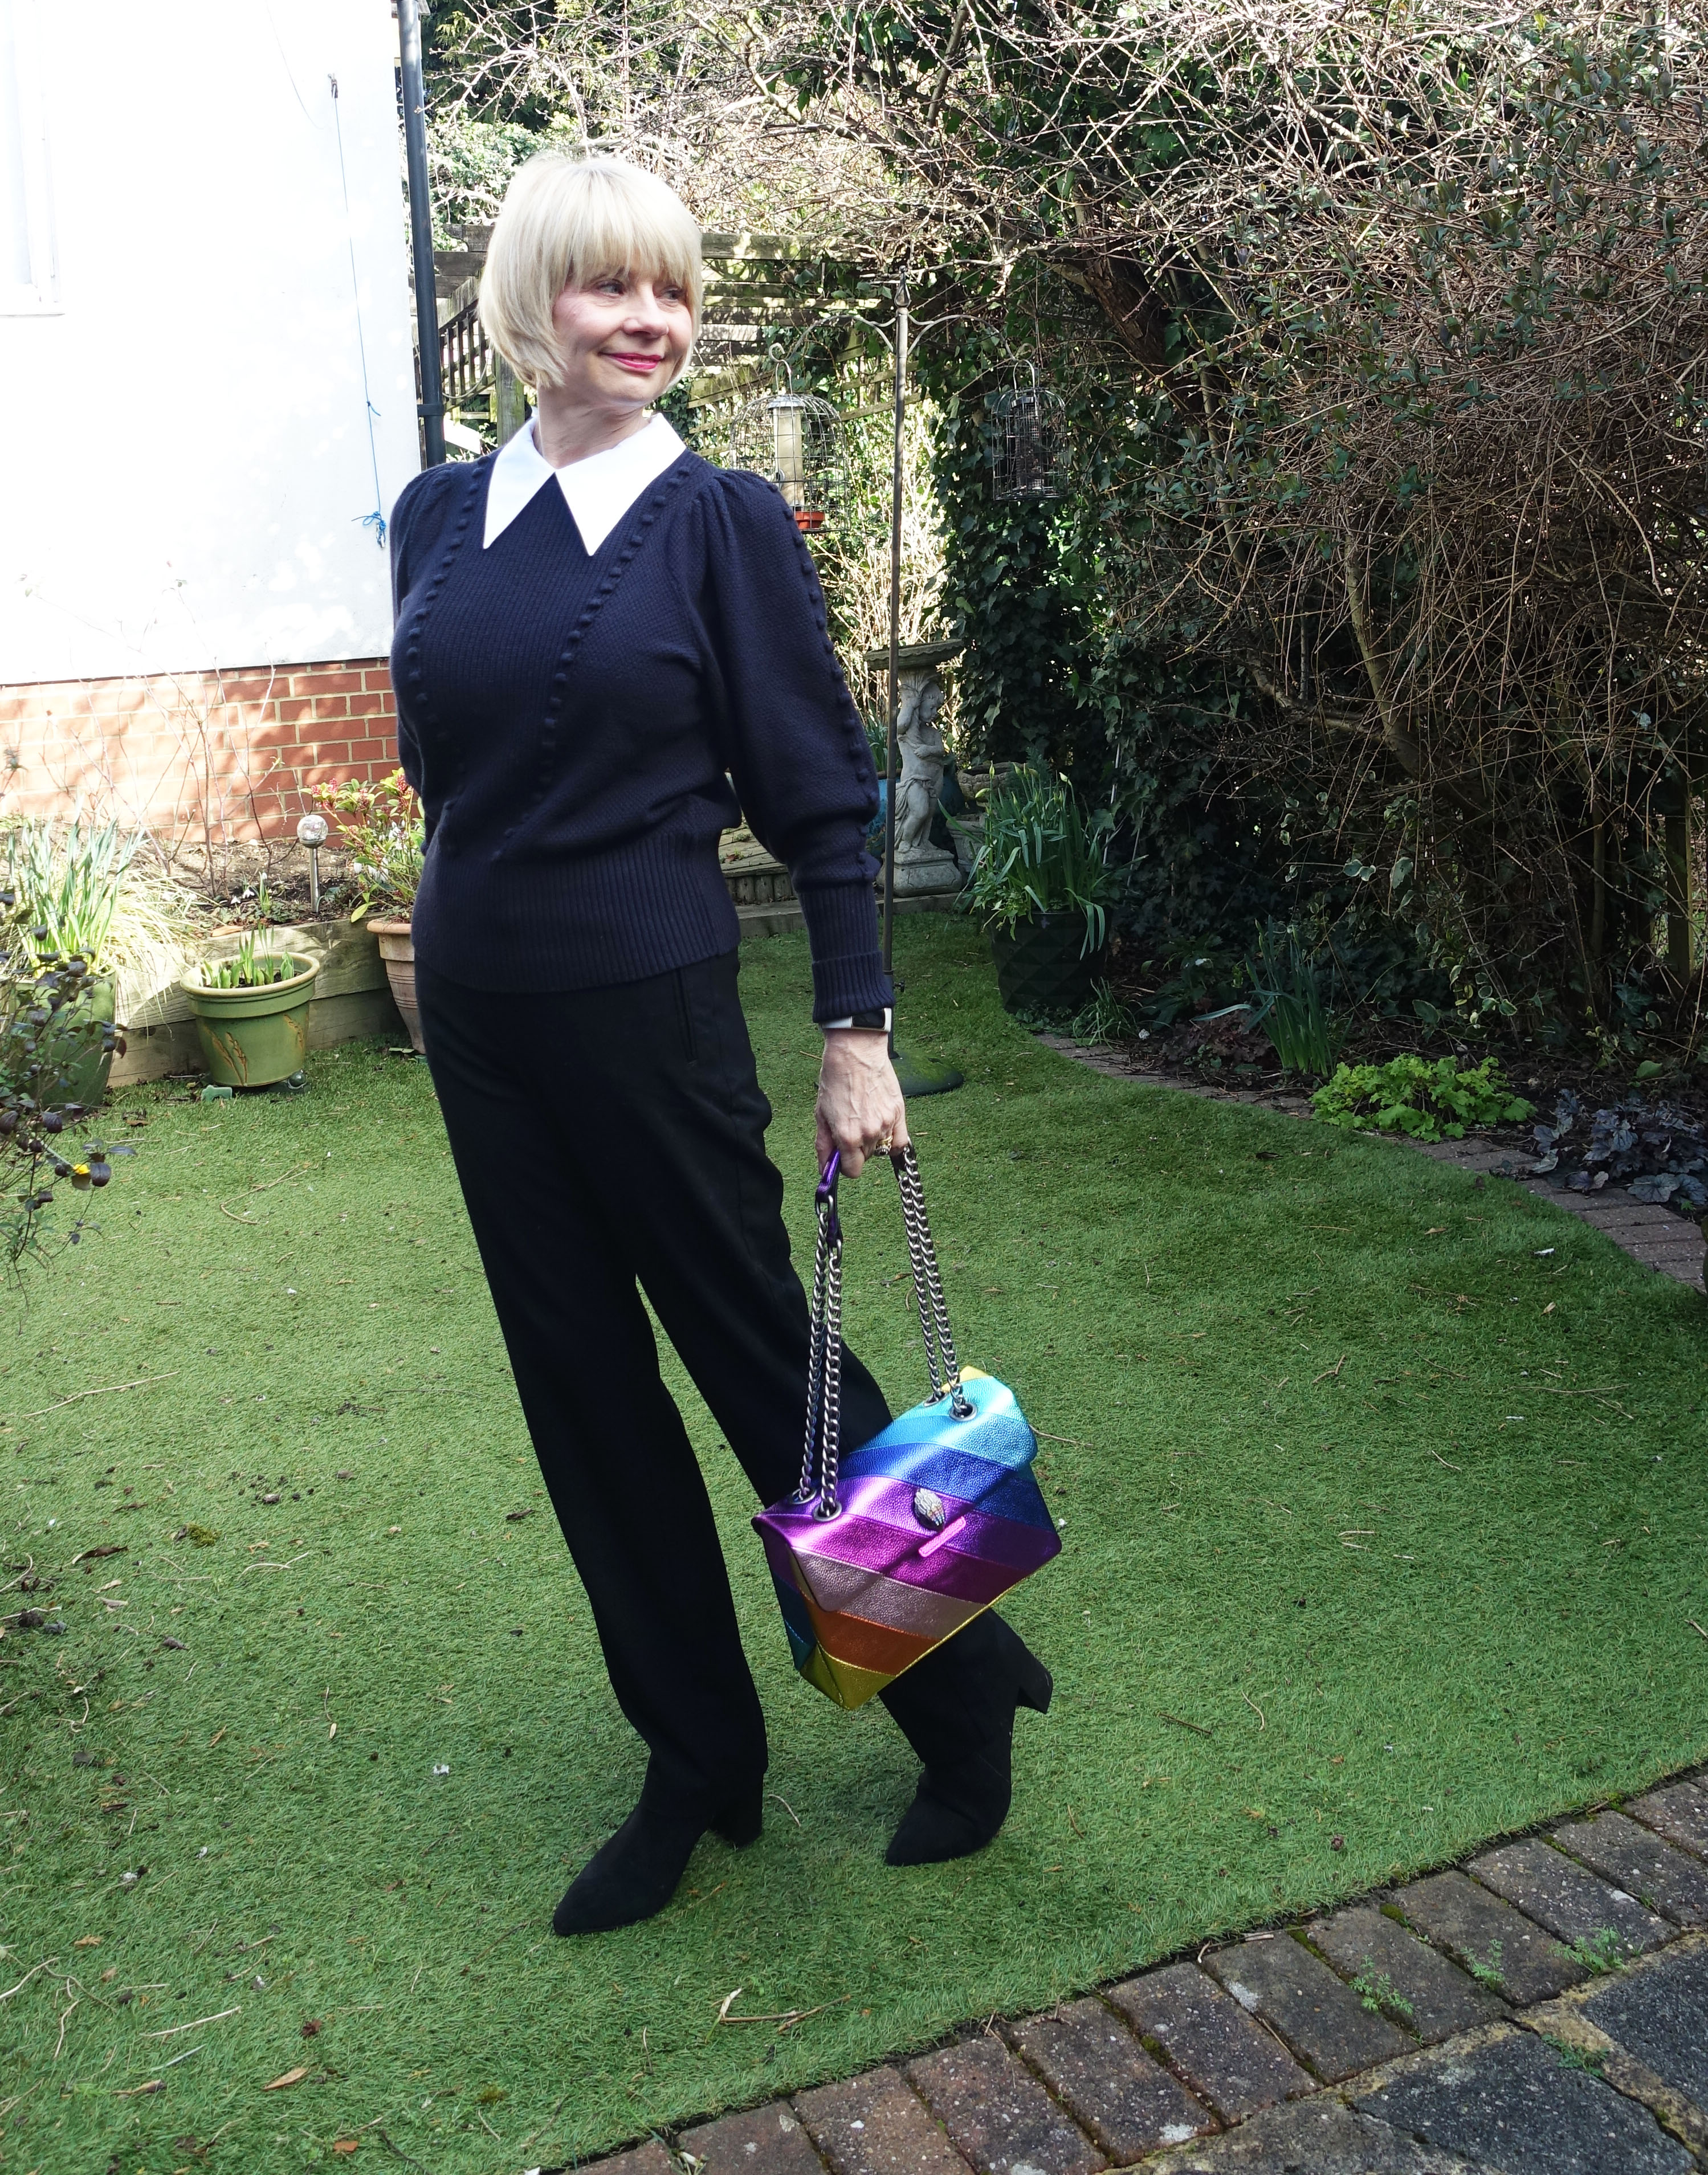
x,y
879,1501
961,1578
1010,1551
986,1558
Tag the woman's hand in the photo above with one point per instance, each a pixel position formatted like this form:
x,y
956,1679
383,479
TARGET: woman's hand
x,y
860,1110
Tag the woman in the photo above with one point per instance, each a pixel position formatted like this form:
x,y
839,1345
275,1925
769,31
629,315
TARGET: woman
x,y
597,632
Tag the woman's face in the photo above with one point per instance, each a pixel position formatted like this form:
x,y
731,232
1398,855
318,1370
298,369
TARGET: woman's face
x,y
623,337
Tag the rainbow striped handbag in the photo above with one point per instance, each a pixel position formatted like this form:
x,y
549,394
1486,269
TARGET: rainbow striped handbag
x,y
881,1556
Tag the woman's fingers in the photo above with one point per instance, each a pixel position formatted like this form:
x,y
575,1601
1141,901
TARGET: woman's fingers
x,y
860,1108
852,1153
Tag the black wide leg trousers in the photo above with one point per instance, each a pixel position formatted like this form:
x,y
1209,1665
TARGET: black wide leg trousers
x,y
612,1142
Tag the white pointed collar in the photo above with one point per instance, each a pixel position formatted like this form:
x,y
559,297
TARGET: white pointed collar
x,y
598,490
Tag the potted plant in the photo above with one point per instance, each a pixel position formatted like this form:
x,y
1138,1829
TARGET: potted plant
x,y
1042,884
252,1013
83,908
384,836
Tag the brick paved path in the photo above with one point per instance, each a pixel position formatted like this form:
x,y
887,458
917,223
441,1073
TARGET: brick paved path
x,y
1542,2009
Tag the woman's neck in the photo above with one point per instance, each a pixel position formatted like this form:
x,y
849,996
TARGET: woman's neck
x,y
567,430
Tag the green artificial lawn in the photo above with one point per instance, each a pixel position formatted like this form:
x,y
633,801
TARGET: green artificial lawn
x,y
1384,1511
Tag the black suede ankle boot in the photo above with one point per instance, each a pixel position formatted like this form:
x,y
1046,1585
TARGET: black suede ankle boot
x,y
964,1793
637,1873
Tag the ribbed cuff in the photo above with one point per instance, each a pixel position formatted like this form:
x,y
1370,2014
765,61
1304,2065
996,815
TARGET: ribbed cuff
x,y
848,966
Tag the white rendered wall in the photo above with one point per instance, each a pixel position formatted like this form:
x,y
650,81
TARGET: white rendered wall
x,y
188,460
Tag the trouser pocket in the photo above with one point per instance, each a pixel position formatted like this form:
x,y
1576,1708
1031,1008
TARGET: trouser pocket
x,y
688,1040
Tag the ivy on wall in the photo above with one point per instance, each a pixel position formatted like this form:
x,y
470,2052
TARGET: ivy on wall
x,y
1052,677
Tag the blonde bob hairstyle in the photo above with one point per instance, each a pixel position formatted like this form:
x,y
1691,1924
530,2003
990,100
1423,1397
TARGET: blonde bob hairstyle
x,y
567,219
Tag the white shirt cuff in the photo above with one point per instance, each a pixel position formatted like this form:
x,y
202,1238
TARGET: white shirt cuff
x,y
829,1026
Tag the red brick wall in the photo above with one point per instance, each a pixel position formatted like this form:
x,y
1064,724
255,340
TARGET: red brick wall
x,y
225,756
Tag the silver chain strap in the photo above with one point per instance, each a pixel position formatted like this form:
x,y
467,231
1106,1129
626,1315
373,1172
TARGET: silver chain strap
x,y
828,1506
922,1294
820,1459
941,1361
815,1354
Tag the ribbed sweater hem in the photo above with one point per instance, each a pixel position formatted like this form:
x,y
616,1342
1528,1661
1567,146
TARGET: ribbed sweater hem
x,y
585,922
595,921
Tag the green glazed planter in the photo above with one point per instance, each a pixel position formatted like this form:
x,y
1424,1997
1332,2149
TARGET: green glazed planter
x,y
251,1038
1039,967
83,1071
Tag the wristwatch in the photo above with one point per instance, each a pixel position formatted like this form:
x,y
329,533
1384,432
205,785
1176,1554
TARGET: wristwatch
x,y
875,1020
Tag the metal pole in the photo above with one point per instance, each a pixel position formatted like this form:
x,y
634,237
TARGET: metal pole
x,y
893,752
432,405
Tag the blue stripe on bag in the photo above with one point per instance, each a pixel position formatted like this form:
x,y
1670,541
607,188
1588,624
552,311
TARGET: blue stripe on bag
x,y
999,1427
997,1489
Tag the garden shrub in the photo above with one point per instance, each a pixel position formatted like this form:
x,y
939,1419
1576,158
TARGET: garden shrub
x,y
1426,1100
49,1028
1371,599
1379,362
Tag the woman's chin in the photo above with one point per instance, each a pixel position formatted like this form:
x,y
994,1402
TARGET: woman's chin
x,y
636,385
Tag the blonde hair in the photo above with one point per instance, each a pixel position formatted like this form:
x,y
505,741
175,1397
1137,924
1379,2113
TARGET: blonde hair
x,y
565,218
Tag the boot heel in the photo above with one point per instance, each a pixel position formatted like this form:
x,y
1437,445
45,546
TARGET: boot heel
x,y
743,1822
1036,1685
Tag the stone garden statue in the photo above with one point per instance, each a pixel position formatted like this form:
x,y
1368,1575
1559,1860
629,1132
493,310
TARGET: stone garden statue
x,y
921,865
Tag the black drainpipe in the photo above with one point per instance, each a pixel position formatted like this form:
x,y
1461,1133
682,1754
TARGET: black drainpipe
x,y
432,406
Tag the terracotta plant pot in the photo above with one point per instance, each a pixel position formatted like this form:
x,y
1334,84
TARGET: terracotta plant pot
x,y
252,1038
397,950
1038,966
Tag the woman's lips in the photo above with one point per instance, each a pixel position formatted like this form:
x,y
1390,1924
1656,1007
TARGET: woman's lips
x,y
640,364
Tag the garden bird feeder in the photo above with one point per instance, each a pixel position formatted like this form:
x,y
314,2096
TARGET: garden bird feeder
x,y
794,438
1026,432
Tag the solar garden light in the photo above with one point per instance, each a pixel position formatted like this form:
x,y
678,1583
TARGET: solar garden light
x,y
312,832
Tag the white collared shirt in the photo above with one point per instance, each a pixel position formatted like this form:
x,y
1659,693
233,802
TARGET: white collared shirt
x,y
598,490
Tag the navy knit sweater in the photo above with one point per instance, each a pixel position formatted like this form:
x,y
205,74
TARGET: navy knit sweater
x,y
573,723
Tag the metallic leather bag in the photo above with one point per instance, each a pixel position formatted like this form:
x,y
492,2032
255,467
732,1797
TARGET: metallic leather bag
x,y
881,1556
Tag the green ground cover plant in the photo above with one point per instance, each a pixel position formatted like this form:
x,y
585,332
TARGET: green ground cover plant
x,y
1376,1991
1401,1516
1425,1098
